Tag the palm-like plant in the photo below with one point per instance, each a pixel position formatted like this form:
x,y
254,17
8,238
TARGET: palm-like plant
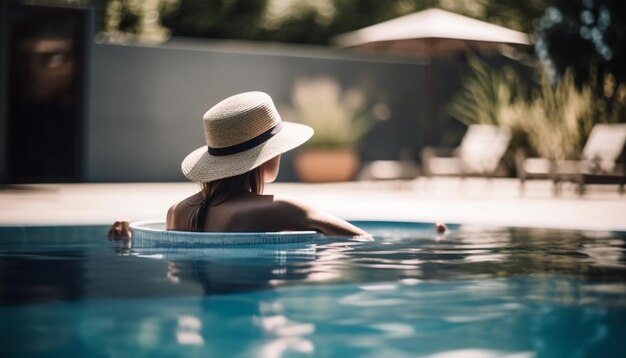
x,y
556,119
339,118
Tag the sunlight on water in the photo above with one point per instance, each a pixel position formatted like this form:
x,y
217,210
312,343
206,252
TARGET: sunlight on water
x,y
188,331
471,293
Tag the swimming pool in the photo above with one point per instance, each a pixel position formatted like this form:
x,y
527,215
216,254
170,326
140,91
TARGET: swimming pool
x,y
67,291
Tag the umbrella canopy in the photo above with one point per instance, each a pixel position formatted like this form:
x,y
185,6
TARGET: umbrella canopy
x,y
431,32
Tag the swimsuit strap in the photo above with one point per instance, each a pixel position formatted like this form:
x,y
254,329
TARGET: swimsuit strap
x,y
202,214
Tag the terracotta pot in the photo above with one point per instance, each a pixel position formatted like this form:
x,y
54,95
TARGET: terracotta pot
x,y
325,165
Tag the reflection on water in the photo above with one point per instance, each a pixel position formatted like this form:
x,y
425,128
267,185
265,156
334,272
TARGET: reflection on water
x,y
188,331
59,276
70,265
496,291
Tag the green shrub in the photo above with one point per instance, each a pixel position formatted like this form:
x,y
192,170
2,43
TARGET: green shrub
x,y
340,118
555,119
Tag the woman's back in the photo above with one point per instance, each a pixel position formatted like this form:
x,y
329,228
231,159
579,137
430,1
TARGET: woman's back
x,y
254,213
226,217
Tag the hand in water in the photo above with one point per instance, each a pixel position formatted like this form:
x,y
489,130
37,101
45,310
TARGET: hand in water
x,y
120,230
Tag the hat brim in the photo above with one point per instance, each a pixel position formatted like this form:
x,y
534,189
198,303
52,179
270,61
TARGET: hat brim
x,y
200,166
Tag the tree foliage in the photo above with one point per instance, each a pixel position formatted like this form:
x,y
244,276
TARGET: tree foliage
x,y
487,93
554,118
236,19
584,36
307,21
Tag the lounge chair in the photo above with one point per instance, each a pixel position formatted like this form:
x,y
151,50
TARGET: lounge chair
x,y
479,154
602,161
399,173
535,168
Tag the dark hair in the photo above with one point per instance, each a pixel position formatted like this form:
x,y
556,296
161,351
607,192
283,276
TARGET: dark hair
x,y
218,191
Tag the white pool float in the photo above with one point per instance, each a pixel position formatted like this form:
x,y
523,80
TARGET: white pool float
x,y
153,233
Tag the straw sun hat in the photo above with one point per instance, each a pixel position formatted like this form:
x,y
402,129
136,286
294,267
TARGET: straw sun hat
x,y
242,132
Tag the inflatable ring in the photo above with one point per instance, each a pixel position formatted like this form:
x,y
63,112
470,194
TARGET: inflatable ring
x,y
153,233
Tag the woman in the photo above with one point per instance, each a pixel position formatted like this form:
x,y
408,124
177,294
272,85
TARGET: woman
x,y
245,138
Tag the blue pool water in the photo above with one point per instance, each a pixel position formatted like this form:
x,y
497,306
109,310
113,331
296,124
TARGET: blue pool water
x,y
480,292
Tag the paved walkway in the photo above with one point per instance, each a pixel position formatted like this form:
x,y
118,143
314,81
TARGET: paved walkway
x,y
472,201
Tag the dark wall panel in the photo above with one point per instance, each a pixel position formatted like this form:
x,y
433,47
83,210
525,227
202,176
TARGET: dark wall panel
x,y
146,103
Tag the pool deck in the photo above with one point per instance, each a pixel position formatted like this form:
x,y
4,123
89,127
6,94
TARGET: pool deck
x,y
472,201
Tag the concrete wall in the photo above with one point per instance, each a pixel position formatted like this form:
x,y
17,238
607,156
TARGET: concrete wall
x,y
146,103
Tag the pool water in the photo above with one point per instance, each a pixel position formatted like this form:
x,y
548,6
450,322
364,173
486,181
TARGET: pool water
x,y
479,292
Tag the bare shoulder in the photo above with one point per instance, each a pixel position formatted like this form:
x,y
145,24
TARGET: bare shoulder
x,y
185,202
310,218
178,214
172,210
288,206
270,215
170,217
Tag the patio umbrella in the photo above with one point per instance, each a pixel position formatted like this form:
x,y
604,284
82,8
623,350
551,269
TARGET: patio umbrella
x,y
428,34
431,32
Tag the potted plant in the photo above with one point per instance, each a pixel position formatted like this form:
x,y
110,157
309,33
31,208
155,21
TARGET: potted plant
x,y
339,118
